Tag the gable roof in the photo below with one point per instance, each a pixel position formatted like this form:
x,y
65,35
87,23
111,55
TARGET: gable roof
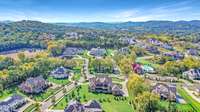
x,y
74,106
93,104
101,79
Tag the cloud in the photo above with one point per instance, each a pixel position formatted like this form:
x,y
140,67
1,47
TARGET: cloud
x,y
168,11
173,11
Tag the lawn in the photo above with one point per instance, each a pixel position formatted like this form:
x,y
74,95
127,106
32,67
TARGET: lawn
x,y
39,97
9,92
77,73
59,81
146,62
108,103
44,95
109,52
5,94
77,70
76,76
179,107
189,99
184,107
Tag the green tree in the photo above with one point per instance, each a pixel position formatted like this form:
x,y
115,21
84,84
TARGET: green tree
x,y
136,85
146,102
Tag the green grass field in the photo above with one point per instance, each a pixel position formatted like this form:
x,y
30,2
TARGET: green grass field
x,y
5,94
76,77
108,103
58,81
38,97
109,52
42,96
179,107
146,62
9,92
195,105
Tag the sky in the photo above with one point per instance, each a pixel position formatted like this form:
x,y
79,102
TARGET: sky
x,y
99,10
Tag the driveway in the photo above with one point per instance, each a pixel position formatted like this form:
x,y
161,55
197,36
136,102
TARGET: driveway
x,y
46,104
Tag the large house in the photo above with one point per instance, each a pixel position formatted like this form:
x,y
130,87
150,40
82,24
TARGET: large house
x,y
154,41
160,44
12,104
72,51
127,40
165,91
103,84
34,85
46,36
174,55
141,69
161,78
76,106
152,49
137,68
124,50
193,52
192,74
60,73
71,35
167,46
98,52
148,69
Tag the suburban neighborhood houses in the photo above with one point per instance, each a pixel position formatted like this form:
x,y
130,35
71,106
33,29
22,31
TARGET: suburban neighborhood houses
x,y
91,106
103,84
151,66
34,85
60,73
98,52
12,103
92,79
166,92
192,74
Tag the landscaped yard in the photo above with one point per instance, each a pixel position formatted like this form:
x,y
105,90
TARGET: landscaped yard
x,y
76,77
189,99
5,94
9,92
146,62
184,107
59,81
109,52
180,107
39,97
42,96
77,73
108,103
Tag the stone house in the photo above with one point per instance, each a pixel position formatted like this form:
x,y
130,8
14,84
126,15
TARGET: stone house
x,y
165,91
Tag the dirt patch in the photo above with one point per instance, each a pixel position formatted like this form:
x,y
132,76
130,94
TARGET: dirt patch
x,y
27,53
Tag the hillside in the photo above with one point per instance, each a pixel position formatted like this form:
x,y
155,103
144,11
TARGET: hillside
x,y
144,27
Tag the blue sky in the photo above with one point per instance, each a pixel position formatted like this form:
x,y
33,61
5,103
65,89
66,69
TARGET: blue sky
x,y
99,10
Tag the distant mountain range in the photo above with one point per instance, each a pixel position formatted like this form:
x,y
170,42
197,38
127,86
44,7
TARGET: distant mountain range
x,y
149,26
169,27
33,26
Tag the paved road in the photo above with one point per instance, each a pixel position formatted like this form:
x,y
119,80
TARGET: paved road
x,y
48,103
85,68
124,87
